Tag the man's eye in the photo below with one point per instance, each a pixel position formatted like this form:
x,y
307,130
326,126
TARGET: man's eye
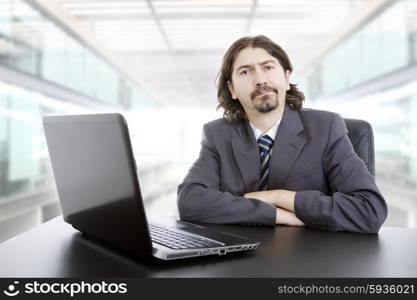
x,y
269,67
244,72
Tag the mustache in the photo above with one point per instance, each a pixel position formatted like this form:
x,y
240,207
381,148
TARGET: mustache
x,y
262,88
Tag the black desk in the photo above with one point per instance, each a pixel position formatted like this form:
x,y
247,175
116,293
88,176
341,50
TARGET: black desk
x,y
55,249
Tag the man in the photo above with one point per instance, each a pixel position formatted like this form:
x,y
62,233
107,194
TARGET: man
x,y
268,161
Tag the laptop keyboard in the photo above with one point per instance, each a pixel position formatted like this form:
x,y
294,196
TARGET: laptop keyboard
x,y
176,240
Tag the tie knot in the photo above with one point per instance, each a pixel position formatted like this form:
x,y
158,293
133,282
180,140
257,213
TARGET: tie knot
x,y
265,143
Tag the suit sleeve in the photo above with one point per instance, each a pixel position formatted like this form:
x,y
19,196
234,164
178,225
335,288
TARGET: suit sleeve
x,y
200,198
355,204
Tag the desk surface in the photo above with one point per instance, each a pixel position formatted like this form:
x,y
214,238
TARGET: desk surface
x,y
55,249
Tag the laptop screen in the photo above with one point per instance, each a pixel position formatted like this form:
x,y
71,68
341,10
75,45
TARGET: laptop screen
x,y
95,175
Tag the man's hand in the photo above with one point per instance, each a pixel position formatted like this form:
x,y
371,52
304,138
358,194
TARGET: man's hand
x,y
284,200
279,198
286,217
266,196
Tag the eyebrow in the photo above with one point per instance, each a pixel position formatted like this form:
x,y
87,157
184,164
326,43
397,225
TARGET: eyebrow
x,y
262,63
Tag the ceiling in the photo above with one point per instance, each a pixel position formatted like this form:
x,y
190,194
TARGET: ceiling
x,y
177,46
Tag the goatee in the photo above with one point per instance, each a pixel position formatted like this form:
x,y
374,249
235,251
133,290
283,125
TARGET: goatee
x,y
267,105
268,102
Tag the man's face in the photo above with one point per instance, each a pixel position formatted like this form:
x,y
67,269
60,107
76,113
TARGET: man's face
x,y
258,81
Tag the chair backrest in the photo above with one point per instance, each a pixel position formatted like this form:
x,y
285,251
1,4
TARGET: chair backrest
x,y
362,138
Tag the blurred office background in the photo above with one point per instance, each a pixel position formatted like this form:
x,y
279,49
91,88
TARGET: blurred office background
x,y
156,61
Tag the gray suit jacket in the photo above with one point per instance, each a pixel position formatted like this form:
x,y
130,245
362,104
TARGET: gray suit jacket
x,y
312,155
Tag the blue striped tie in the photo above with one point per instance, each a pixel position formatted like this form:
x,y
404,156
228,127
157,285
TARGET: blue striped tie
x,y
265,146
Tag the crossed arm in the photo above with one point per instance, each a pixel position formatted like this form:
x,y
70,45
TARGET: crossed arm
x,y
283,200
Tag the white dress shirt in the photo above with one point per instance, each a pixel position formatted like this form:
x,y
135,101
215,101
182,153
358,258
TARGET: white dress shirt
x,y
271,132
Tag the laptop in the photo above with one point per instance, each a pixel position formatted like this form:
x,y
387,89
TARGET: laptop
x,y
98,187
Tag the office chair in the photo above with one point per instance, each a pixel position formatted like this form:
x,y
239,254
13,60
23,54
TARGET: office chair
x,y
362,138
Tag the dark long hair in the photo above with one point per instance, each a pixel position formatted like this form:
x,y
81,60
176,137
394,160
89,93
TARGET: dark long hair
x,y
233,110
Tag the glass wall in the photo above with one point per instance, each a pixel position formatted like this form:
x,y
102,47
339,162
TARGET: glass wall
x,y
30,42
385,44
35,49
23,156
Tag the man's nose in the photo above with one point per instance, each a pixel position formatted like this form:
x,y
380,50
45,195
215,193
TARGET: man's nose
x,y
259,78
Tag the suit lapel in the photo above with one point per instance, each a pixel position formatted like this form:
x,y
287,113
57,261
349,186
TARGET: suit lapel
x,y
287,147
245,150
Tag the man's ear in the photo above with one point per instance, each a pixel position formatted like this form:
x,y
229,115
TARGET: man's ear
x,y
231,89
287,79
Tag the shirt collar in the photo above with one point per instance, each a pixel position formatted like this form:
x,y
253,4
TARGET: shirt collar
x,y
271,132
